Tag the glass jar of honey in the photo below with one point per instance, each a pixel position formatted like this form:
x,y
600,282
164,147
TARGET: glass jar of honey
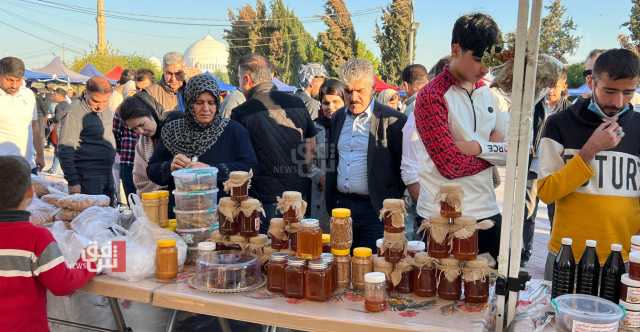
x,y
294,278
361,264
439,238
292,207
450,282
465,238
309,244
318,281
375,292
249,216
227,212
163,209
166,260
151,205
380,264
279,238
238,185
394,247
393,214
476,281
450,197
333,269
343,267
341,229
275,272
404,269
423,277
326,243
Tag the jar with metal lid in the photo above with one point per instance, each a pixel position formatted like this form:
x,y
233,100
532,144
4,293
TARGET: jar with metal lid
x,y
294,278
317,280
227,217
343,267
151,206
449,281
414,247
275,272
309,244
392,214
292,206
439,238
375,292
166,260
341,229
361,264
326,243
333,269
450,197
634,265
423,277
163,212
380,264
249,216
279,238
476,281
629,289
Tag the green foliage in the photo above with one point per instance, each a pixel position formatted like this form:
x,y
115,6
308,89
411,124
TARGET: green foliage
x,y
634,24
393,39
556,32
574,75
112,58
362,52
338,42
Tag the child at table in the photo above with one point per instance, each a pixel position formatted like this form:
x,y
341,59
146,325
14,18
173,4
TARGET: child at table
x,y
30,259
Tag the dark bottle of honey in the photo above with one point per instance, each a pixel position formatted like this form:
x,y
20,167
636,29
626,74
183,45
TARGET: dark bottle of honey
x,y
611,272
589,271
564,270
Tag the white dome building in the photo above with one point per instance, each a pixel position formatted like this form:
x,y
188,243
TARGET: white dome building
x,y
207,54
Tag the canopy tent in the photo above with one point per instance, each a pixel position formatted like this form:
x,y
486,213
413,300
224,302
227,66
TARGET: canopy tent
x,y
90,70
30,75
379,85
221,84
281,86
59,71
114,74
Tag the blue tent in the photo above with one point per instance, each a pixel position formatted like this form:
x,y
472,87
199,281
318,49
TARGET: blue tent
x,y
579,90
221,84
90,70
281,86
60,72
30,75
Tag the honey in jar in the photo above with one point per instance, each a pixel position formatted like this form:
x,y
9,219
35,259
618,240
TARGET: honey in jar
x,y
404,268
439,238
309,244
393,214
450,197
292,207
341,229
227,211
249,216
449,279
423,277
343,267
294,278
333,269
476,281
279,238
275,272
318,281
394,247
375,292
326,243
361,264
238,185
465,238
166,260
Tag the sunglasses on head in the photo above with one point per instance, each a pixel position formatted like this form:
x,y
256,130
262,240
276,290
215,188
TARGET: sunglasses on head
x,y
587,72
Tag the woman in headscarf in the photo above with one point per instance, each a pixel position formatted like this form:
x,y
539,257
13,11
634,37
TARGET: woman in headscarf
x,y
202,137
391,98
331,100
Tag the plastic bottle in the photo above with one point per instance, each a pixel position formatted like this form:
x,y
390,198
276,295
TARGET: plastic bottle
x,y
611,272
564,270
589,271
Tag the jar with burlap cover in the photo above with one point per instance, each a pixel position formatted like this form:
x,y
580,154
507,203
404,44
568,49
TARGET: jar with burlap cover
x,y
406,265
238,184
380,264
476,275
449,282
423,277
450,197
228,210
291,206
439,237
278,235
394,247
465,237
257,245
250,212
393,214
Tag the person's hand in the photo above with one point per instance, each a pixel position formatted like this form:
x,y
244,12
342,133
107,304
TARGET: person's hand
x,y
321,183
470,148
606,136
74,189
197,164
40,163
180,161
496,137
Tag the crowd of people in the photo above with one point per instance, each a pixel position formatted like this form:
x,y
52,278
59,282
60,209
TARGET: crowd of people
x,y
341,145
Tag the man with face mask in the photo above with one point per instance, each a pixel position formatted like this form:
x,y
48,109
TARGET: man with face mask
x,y
456,118
87,145
589,157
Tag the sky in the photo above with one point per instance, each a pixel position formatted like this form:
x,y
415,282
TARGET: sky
x,y
598,22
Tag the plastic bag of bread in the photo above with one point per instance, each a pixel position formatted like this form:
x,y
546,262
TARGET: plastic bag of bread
x,y
81,202
53,198
67,215
42,186
41,212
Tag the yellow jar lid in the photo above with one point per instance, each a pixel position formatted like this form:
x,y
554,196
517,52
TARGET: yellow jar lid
x,y
166,243
163,193
340,252
341,213
151,195
326,238
172,222
362,252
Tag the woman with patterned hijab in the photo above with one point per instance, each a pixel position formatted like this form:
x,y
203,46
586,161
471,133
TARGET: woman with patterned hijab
x,y
202,137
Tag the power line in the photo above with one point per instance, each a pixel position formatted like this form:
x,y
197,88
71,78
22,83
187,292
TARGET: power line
x,y
6,11
40,38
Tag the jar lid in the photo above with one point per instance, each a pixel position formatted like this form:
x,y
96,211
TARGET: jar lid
x,y
616,247
173,222
295,261
379,242
374,277
206,246
279,257
227,202
325,256
163,193
259,239
341,213
567,241
340,252
362,252
634,257
630,306
416,246
292,195
318,264
151,195
591,243
393,203
166,243
326,238
237,239
310,223
635,240
250,203
626,279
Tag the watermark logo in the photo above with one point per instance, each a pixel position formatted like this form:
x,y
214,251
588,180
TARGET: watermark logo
x,y
111,256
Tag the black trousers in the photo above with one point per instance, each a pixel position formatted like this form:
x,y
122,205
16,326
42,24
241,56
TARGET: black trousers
x,y
367,227
489,240
98,184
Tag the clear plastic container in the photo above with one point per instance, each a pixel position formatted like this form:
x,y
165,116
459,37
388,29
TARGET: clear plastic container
x,y
228,270
375,292
196,219
579,312
195,179
196,200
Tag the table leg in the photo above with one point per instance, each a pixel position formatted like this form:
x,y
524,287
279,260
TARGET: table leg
x,y
117,315
172,320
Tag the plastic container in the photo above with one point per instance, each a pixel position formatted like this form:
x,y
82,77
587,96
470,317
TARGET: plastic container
x,y
629,290
588,271
163,212
564,270
195,219
634,265
632,315
361,264
343,267
611,273
341,229
166,260
196,200
375,292
151,205
229,270
204,252
195,179
579,312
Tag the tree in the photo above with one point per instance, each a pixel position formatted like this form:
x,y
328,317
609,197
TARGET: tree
x,y
393,39
634,27
556,33
575,77
362,52
338,42
244,37
112,58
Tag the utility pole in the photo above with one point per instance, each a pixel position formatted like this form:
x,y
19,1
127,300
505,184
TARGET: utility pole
x,y
412,36
102,40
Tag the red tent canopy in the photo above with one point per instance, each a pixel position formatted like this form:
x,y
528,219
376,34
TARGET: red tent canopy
x,y
380,85
114,73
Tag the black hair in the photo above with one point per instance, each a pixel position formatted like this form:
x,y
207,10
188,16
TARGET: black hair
x,y
333,87
414,73
15,176
257,66
127,75
476,32
439,66
135,107
12,66
143,74
617,63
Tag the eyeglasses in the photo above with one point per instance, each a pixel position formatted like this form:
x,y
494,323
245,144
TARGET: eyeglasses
x,y
587,72
179,75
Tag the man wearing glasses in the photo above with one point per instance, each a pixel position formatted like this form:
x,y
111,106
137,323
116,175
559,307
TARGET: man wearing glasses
x,y
168,92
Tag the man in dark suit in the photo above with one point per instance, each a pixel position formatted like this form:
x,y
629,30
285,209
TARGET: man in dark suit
x,y
366,149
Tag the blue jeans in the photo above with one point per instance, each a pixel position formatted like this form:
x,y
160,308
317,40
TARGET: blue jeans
x,y
367,227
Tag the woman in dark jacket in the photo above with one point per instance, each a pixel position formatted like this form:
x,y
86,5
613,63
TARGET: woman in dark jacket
x,y
202,137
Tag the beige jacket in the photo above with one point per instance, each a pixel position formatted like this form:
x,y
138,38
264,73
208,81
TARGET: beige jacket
x,y
167,99
144,150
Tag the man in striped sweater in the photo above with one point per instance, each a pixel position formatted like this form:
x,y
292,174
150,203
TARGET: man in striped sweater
x,y
30,260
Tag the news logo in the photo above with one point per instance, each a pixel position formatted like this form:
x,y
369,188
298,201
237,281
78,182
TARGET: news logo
x,y
111,256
